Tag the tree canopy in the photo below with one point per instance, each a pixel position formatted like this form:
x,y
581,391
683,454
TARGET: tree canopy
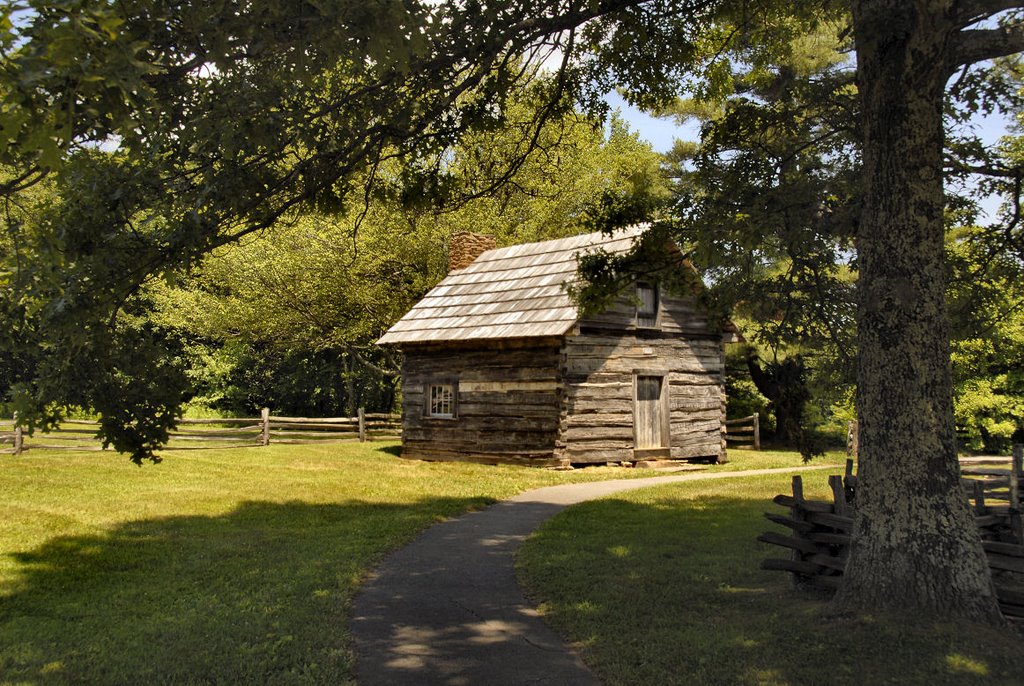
x,y
181,126
768,205
328,288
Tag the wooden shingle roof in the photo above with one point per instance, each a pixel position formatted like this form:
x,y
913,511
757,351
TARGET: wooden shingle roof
x,y
515,292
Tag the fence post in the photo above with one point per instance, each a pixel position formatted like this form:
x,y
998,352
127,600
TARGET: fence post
x,y
835,482
1016,468
850,483
853,438
265,426
798,514
362,425
757,431
19,436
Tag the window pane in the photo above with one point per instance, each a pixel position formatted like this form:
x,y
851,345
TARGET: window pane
x,y
647,307
441,400
648,388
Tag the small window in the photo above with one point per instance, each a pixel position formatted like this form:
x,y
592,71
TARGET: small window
x,y
647,305
441,400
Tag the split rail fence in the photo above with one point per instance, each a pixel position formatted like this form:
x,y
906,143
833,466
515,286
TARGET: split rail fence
x,y
820,531
229,432
744,431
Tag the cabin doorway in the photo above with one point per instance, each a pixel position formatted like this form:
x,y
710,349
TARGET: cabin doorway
x,y
649,414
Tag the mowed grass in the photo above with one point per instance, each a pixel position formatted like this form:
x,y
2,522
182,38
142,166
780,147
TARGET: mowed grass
x,y
219,566
744,458
662,586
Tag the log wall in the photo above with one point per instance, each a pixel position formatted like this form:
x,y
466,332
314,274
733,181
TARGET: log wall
x,y
599,363
507,408
570,400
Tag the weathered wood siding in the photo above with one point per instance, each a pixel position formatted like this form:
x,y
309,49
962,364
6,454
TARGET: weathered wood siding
x,y
600,361
508,402
571,400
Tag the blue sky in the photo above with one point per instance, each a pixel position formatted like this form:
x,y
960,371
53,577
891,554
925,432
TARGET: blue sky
x,y
661,132
658,132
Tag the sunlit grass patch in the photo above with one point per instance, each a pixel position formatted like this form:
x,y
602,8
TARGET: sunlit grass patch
x,y
744,458
961,664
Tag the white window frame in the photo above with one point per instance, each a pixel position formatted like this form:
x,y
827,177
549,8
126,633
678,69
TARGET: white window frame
x,y
436,406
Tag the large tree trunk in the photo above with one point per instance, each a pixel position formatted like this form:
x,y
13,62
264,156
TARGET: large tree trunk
x,y
915,545
914,542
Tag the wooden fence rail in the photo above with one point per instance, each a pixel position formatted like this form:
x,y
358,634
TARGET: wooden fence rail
x,y
819,537
744,431
14,436
230,432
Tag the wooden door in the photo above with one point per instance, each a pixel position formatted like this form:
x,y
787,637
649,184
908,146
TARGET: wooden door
x,y
649,413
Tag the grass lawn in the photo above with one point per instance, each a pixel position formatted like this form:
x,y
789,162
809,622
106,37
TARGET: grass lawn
x,y
743,458
662,586
218,566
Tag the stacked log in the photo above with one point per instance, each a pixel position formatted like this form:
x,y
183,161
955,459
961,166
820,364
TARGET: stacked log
x,y
819,534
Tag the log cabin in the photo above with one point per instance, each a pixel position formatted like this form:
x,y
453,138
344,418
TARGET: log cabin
x,y
499,367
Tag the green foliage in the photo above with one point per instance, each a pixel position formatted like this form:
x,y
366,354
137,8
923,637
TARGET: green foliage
x,y
986,296
239,378
986,301
766,200
742,397
61,271
290,319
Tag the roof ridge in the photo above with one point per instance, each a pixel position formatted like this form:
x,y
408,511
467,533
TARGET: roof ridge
x,y
631,231
493,276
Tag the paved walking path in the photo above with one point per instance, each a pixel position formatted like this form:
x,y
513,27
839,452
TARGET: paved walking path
x,y
446,609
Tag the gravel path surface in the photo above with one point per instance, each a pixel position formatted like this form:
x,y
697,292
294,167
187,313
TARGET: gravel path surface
x,y
446,609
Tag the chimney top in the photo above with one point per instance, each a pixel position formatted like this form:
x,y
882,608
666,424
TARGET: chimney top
x,y
466,246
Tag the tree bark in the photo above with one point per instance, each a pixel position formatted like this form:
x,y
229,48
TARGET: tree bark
x,y
915,546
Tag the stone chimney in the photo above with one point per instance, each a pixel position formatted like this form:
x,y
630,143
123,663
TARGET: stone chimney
x,y
464,247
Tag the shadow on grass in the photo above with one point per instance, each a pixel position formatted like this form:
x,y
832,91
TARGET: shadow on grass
x,y
258,595
668,590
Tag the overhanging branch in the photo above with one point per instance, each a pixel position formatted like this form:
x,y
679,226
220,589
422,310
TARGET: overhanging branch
x,y
993,170
977,45
972,11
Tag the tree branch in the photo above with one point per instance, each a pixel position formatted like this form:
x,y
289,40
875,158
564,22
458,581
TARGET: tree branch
x,y
959,166
977,45
972,11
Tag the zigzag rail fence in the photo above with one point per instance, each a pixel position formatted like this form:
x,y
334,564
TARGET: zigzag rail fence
x,y
226,432
819,537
